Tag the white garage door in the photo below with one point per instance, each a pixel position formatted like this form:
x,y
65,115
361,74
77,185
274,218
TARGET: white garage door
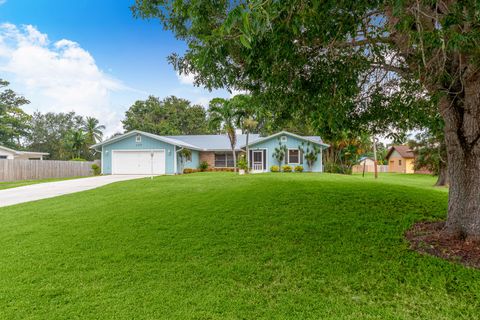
x,y
138,162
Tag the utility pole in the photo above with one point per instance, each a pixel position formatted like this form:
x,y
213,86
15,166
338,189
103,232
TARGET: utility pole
x,y
375,156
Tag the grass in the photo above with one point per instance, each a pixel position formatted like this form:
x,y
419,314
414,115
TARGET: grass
x,y
425,181
221,246
21,183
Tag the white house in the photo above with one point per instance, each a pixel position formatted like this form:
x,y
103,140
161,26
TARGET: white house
x,y
10,154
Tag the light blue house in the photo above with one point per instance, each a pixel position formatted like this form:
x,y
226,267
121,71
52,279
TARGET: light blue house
x,y
138,152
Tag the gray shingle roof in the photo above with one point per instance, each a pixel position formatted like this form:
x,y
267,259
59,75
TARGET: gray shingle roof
x,y
214,141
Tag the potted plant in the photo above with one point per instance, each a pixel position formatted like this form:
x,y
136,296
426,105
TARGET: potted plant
x,y
242,165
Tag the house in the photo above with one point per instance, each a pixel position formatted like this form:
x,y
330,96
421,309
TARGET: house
x,y
10,154
401,159
138,152
366,161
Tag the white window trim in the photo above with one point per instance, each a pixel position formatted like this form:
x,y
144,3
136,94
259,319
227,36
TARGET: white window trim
x,y
288,156
138,138
283,138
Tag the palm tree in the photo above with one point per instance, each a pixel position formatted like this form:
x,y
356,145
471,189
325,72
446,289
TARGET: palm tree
x,y
76,141
221,116
246,118
93,131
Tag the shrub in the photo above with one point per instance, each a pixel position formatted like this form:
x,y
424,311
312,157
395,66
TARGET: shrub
x,y
275,169
189,170
203,166
77,159
287,169
221,169
332,167
298,169
242,163
96,169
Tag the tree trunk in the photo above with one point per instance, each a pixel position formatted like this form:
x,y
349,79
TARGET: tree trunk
x,y
442,180
462,137
234,160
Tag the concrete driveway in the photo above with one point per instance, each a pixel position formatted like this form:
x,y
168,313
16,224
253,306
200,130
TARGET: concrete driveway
x,y
45,190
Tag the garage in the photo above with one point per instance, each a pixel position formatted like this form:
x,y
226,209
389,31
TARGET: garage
x,y
138,162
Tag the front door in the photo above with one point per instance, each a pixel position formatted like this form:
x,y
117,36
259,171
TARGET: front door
x,y
257,163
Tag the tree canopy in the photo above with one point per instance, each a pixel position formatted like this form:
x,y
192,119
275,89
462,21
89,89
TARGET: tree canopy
x,y
63,135
170,116
349,65
13,120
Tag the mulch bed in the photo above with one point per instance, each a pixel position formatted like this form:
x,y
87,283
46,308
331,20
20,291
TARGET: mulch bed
x,y
427,238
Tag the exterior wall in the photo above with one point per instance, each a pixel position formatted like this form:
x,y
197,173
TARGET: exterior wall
x,y
409,166
291,143
395,166
368,162
27,156
9,155
147,143
209,157
193,164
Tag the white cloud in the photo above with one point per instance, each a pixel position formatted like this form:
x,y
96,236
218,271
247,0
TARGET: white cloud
x,y
59,76
235,92
186,78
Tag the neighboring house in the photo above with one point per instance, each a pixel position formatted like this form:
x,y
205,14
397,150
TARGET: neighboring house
x,y
366,161
138,152
10,154
401,159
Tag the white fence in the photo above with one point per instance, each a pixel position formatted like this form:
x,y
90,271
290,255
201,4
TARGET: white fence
x,y
13,170
369,168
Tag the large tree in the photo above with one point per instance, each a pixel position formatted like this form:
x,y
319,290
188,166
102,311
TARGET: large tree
x,y
170,116
13,120
53,133
341,59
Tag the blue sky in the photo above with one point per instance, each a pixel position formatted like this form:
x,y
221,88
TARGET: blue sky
x,y
89,56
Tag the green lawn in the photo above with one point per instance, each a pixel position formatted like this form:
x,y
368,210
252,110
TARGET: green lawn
x,y
221,246
21,183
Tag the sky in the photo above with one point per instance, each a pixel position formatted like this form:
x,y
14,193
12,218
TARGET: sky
x,y
89,56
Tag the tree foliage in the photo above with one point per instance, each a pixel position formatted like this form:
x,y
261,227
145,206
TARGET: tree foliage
x,y
13,120
63,135
170,116
349,65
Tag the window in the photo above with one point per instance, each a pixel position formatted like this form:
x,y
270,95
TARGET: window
x,y
283,139
293,156
399,162
3,157
138,138
224,160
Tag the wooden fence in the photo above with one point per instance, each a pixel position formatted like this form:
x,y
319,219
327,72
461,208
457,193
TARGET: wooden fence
x,y
13,170
369,168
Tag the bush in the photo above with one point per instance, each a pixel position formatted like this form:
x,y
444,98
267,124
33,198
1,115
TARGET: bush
x,y
287,169
78,159
203,166
332,167
242,163
221,169
298,169
275,169
189,170
96,169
